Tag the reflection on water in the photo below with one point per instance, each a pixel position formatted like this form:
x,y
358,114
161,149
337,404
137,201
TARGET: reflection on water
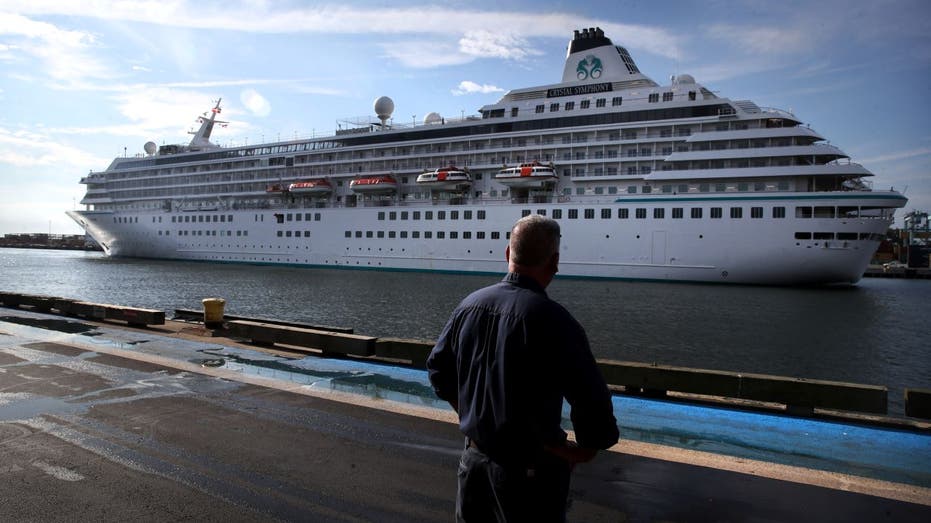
x,y
875,332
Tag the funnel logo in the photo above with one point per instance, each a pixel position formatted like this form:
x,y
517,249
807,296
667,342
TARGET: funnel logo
x,y
589,67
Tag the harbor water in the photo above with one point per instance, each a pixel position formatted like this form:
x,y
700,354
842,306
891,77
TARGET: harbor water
x,y
876,332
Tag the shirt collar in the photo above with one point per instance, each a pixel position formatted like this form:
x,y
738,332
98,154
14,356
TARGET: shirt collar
x,y
525,282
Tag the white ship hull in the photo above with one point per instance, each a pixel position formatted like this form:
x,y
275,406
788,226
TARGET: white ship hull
x,y
745,250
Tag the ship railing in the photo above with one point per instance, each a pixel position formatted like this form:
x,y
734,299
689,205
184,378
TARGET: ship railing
x,y
780,112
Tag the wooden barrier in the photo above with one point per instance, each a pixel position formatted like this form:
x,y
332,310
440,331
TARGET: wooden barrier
x,y
327,342
797,394
97,311
918,403
414,351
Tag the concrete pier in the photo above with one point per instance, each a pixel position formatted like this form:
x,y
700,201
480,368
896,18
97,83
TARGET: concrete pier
x,y
101,421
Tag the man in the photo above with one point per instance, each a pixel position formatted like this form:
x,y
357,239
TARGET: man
x,y
505,361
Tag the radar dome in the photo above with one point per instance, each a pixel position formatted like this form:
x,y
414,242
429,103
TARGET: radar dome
x,y
149,148
384,106
685,79
432,118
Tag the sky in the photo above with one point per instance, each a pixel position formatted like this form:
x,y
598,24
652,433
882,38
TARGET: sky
x,y
82,82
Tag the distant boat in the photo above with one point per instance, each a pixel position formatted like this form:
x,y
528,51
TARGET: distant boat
x,y
380,184
319,186
448,178
527,175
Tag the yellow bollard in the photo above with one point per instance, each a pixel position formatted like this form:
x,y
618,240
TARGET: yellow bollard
x,y
213,312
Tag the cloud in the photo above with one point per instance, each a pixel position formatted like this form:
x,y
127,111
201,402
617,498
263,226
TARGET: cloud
x,y
766,40
486,44
898,155
469,87
422,54
255,102
67,56
25,149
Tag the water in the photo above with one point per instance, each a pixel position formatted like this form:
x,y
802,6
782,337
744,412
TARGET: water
x,y
873,333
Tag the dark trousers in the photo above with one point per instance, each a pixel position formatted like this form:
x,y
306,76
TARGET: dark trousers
x,y
489,491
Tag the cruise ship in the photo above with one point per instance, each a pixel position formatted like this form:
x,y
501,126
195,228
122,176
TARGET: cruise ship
x,y
648,182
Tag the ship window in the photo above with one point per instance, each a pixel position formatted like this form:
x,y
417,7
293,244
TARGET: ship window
x,y
557,214
524,212
720,187
403,234
654,97
286,233
756,212
623,214
481,215
290,217
453,235
803,212
779,212
612,189
479,235
466,235
573,214
824,212
453,215
428,215
605,214
803,236
702,187
823,235
392,234
696,212
667,96
415,234
440,215
358,234
677,212
616,101
632,189
381,215
716,212
307,217
554,108
570,106
513,112
348,234
416,215
369,234
466,215
541,212
647,189
600,102
847,212
229,217
691,95
759,186
540,108
279,217
584,104
589,214
297,217
428,234
659,213
307,234
737,212
316,217
392,215
782,186
495,235
667,188
404,215
641,213
381,234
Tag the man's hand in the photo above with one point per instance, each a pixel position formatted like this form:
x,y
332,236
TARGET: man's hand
x,y
571,452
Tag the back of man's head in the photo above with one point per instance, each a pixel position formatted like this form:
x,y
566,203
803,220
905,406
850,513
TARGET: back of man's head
x,y
534,240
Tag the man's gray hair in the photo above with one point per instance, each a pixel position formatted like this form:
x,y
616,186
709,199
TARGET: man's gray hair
x,y
534,240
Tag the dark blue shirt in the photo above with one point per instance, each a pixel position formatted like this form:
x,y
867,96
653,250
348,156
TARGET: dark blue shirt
x,y
507,357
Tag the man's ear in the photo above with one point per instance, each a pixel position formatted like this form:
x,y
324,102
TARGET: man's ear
x,y
507,254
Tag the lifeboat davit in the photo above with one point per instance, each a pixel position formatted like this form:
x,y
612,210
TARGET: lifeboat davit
x,y
312,187
447,178
527,175
381,184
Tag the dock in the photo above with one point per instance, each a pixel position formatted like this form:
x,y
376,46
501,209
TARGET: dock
x,y
104,420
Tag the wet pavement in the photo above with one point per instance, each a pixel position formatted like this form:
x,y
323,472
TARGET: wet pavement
x,y
101,422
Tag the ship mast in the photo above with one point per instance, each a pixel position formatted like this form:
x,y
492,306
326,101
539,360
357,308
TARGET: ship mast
x,y
201,138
